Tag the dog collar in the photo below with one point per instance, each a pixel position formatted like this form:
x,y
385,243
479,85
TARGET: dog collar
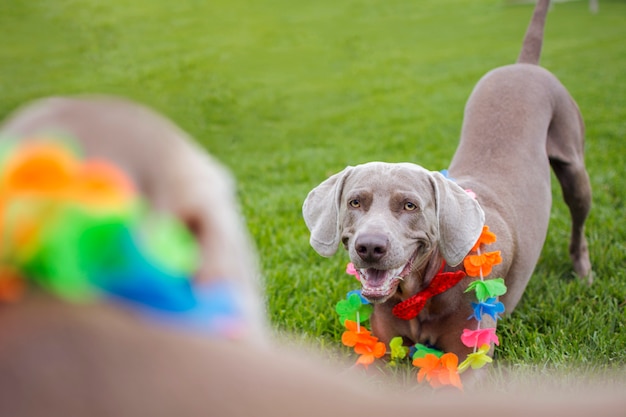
x,y
435,367
78,230
441,282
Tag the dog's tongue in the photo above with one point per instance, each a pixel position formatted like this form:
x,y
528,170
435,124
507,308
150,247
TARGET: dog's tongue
x,y
376,277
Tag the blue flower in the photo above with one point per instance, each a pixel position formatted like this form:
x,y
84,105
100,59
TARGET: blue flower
x,y
358,292
446,174
490,307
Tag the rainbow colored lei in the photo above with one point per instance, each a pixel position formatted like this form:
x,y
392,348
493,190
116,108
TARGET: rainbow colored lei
x,y
436,367
79,230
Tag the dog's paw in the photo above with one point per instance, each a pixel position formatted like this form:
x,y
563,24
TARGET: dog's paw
x,y
580,259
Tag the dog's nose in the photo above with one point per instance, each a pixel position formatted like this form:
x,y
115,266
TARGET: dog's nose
x,y
371,247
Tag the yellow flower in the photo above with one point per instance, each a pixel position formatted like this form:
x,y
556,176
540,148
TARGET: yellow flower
x,y
398,351
476,360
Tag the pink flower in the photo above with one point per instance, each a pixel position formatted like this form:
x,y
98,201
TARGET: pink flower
x,y
479,337
351,270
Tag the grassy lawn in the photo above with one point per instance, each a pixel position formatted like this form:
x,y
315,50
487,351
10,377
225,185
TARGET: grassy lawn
x,y
288,92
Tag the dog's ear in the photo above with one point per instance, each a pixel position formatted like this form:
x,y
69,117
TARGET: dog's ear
x,y
460,219
321,213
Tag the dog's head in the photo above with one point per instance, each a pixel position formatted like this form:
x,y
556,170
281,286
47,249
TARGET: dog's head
x,y
391,218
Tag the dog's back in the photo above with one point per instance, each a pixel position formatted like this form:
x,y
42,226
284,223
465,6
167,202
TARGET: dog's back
x,y
519,121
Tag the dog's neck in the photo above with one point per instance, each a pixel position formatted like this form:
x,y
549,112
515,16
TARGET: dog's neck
x,y
437,282
422,275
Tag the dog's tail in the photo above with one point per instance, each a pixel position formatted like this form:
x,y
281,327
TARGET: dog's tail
x,y
533,40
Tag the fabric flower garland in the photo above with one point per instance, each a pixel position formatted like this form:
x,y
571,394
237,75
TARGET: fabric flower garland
x,y
435,367
78,229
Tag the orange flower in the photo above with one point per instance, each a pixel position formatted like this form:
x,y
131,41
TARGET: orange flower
x,y
356,334
427,364
39,167
447,373
366,345
369,352
486,238
439,371
11,285
101,183
485,261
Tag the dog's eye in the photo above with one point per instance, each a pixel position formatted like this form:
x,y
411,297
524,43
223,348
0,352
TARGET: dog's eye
x,y
408,206
355,203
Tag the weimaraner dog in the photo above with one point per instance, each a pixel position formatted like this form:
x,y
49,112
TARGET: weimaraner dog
x,y
399,222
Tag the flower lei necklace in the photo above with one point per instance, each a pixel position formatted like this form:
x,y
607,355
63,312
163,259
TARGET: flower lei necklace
x,y
79,230
436,367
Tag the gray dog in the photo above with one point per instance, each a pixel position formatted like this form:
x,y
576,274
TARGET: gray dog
x,y
399,222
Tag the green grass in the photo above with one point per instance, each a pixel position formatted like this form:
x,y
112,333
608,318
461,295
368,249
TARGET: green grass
x,y
288,92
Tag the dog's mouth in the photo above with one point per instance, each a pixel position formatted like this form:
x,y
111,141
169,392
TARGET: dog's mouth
x,y
380,284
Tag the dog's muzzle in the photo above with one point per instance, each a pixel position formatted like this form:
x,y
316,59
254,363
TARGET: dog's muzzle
x,y
378,284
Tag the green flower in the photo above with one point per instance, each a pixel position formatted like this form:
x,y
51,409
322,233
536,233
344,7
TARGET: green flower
x,y
487,288
421,351
353,309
